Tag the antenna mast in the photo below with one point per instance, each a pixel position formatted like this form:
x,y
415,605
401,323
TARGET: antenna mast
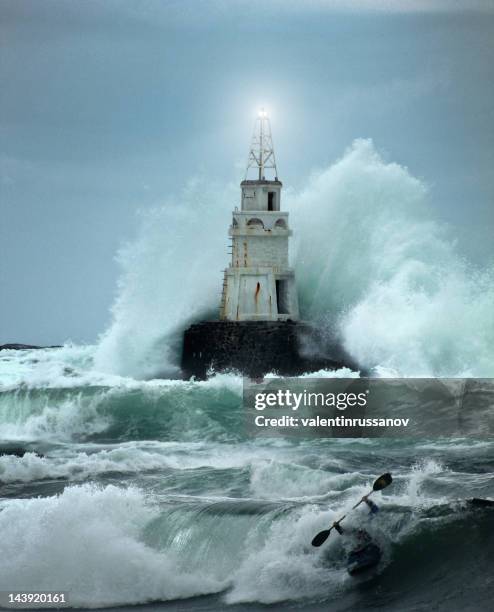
x,y
261,154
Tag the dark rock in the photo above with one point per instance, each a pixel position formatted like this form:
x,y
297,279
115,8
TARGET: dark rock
x,y
21,347
255,348
17,451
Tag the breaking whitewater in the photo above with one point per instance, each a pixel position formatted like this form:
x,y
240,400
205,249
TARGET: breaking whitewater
x,y
145,489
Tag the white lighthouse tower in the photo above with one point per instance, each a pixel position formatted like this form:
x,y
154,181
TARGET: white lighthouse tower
x,y
259,285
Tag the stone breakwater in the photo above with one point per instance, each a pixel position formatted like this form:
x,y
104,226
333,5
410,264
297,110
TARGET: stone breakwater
x,y
255,348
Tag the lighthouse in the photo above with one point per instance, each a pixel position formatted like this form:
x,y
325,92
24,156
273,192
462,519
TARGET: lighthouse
x,y
259,284
258,329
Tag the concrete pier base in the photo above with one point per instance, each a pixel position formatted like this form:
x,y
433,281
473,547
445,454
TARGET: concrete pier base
x,y
255,348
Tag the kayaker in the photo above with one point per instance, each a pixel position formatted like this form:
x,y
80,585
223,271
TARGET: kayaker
x,y
364,553
362,537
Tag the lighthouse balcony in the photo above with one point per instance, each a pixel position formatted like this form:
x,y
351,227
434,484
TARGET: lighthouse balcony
x,y
281,271
258,222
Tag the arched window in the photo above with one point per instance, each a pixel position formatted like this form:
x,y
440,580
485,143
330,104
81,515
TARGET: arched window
x,y
234,223
281,223
255,222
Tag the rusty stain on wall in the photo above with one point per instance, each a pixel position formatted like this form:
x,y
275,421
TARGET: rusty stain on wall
x,y
256,295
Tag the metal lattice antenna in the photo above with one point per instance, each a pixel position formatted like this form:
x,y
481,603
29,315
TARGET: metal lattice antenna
x,y
261,154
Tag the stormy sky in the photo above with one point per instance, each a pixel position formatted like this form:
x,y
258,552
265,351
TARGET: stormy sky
x,y
108,107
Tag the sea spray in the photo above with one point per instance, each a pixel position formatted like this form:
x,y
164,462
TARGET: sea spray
x,y
373,268
385,278
171,275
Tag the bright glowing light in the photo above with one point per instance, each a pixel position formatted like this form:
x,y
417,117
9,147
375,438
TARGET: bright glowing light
x,y
262,113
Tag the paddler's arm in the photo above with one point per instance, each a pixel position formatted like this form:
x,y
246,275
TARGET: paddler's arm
x,y
373,508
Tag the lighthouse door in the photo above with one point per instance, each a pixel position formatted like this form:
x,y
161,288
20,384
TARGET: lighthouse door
x,y
253,298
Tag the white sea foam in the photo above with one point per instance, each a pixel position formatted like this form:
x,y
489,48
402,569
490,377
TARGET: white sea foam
x,y
56,542
72,366
135,458
340,373
60,413
25,417
279,568
373,265
67,366
275,479
419,474
82,465
89,542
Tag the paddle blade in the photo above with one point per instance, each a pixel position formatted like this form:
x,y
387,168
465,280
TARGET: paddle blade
x,y
321,537
382,482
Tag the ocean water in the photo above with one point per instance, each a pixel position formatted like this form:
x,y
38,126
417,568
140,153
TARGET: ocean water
x,y
142,489
150,491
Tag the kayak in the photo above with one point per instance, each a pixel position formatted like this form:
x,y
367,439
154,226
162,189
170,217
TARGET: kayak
x,y
477,502
363,558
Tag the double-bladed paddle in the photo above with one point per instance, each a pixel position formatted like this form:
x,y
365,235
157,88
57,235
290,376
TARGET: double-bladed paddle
x,y
381,483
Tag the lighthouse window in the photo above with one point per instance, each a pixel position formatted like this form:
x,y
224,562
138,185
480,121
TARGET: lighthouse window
x,y
255,222
271,200
280,223
282,297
